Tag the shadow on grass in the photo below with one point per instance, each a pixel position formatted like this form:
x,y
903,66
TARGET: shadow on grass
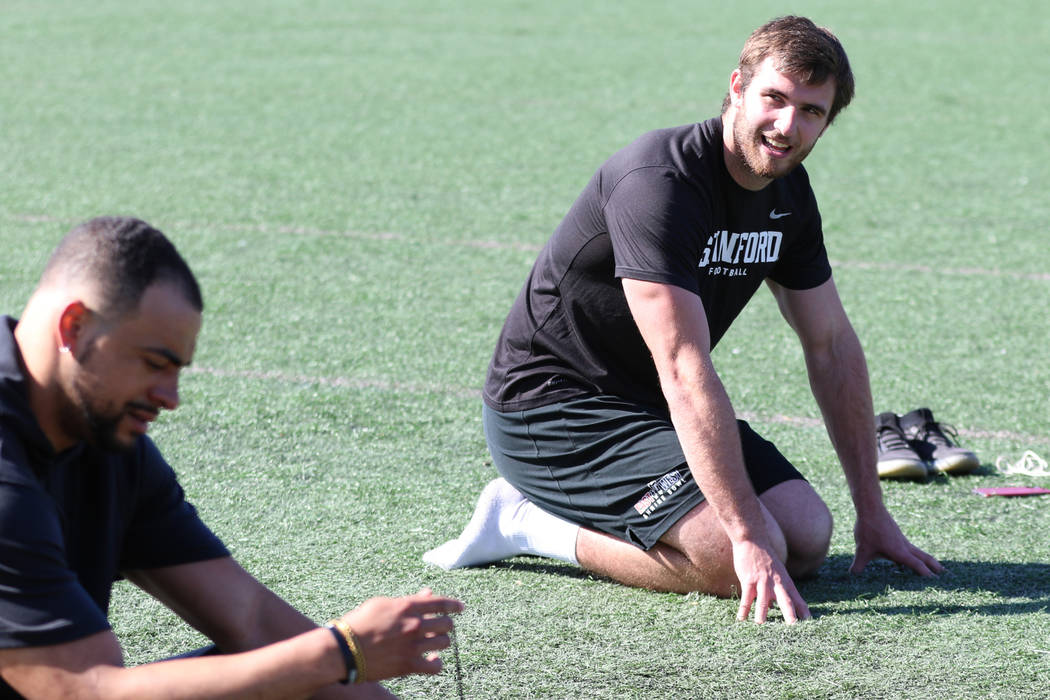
x,y
542,566
984,469
989,588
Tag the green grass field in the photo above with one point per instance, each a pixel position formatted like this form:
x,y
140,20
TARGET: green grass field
x,y
362,186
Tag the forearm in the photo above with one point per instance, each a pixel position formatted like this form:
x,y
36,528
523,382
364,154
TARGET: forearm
x,y
838,376
251,618
276,620
272,619
396,636
296,667
706,425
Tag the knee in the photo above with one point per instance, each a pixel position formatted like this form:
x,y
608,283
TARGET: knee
x,y
808,546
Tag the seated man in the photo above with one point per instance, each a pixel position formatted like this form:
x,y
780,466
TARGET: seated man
x,y
85,496
602,406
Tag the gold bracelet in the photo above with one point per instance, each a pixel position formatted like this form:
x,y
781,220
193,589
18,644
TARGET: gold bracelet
x,y
355,648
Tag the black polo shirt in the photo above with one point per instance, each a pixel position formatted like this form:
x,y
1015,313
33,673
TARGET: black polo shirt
x,y
70,523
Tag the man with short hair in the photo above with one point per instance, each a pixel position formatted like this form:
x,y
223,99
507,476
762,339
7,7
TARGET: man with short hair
x,y
85,497
616,441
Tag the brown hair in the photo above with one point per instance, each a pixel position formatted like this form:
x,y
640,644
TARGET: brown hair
x,y
801,49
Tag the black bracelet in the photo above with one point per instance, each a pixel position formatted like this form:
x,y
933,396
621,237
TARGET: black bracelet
x,y
348,657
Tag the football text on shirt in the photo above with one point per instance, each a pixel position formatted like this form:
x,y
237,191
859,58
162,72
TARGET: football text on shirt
x,y
737,248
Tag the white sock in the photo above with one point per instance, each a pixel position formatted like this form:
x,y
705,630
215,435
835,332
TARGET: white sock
x,y
505,524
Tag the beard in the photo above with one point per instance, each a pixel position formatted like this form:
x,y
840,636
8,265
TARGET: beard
x,y
95,424
748,143
94,421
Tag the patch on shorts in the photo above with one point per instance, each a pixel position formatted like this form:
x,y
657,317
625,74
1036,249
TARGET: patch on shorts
x,y
658,492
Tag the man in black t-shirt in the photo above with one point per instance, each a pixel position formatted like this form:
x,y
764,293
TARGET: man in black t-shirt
x,y
615,439
85,497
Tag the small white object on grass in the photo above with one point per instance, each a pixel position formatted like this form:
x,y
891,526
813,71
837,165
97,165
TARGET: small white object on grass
x,y
1030,464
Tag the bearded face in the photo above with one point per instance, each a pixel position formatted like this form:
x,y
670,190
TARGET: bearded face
x,y
776,121
119,373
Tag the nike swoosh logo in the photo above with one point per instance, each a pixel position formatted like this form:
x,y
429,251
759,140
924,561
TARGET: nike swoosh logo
x,y
774,214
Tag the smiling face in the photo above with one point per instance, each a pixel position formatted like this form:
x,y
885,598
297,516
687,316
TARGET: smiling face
x,y
772,124
125,370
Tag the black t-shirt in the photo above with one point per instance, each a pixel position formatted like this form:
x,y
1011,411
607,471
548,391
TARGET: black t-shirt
x,y
70,523
663,209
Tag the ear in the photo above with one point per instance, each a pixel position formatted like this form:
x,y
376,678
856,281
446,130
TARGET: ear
x,y
71,325
736,87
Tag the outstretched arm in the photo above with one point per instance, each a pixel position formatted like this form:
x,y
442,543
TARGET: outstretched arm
x,y
838,376
270,649
673,324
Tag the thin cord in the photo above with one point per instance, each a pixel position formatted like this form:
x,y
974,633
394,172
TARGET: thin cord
x,y
455,657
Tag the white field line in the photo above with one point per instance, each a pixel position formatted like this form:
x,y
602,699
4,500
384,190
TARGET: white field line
x,y
806,422
470,393
946,271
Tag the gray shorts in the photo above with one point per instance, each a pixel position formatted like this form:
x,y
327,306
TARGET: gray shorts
x,y
612,465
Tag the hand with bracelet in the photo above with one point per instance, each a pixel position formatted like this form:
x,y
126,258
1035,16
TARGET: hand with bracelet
x,y
390,637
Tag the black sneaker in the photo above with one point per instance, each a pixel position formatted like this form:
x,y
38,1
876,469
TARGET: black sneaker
x,y
897,459
935,443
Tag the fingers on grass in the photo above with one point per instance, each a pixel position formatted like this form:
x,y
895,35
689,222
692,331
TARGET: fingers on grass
x,y
791,604
746,599
860,562
762,610
925,565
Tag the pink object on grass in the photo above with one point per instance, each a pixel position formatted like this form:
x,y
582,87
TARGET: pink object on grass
x,y
1012,491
